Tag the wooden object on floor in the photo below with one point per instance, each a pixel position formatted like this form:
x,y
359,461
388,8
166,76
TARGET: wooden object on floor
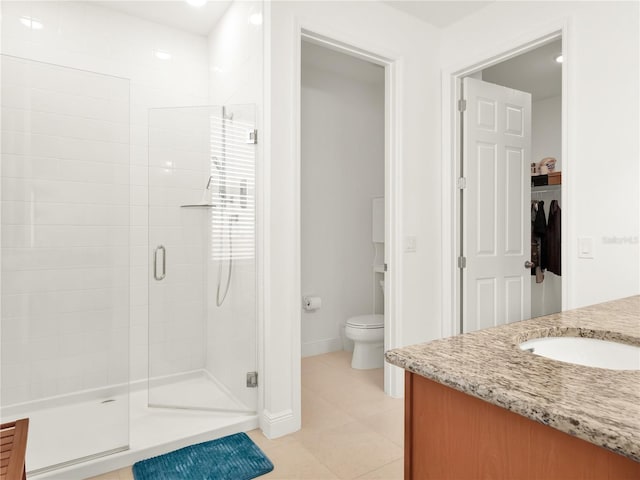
x,y
452,435
13,448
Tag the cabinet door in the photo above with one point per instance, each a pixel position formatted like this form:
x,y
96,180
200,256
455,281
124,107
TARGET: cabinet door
x,y
450,435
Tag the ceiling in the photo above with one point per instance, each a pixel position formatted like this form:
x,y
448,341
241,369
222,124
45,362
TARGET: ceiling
x,y
535,72
178,14
440,13
200,20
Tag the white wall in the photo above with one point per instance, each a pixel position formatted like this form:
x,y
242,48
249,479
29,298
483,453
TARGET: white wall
x,y
382,29
546,130
342,155
546,141
236,56
603,143
97,39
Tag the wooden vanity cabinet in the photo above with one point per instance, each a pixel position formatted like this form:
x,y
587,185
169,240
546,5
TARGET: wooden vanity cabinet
x,y
452,435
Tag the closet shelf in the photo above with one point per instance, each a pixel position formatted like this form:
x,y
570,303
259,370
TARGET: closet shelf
x,y
546,188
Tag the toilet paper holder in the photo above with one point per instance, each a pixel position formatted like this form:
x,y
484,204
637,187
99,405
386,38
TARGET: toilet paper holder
x,y
311,303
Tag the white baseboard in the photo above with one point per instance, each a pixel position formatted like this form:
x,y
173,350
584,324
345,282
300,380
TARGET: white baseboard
x,y
393,381
319,347
275,425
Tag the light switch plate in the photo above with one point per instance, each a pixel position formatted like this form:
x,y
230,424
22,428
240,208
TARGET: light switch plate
x,y
585,247
410,243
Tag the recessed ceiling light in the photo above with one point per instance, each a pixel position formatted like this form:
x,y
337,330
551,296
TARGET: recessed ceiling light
x,y
160,55
559,58
196,3
255,19
31,23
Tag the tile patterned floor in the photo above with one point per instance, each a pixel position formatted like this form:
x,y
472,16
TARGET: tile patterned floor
x,y
350,429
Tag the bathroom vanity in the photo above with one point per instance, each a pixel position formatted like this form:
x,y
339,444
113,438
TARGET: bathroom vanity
x,y
478,406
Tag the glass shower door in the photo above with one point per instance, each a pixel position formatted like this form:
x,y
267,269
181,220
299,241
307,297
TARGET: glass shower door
x,y
202,298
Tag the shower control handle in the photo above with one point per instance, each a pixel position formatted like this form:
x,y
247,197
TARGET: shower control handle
x,y
155,263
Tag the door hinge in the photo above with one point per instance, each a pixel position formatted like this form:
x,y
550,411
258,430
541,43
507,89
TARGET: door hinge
x,y
252,136
461,183
462,262
252,379
462,105
385,267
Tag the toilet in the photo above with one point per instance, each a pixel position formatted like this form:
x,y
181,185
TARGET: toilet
x,y
367,334
367,331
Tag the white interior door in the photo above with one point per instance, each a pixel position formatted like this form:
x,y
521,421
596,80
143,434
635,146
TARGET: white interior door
x,y
496,218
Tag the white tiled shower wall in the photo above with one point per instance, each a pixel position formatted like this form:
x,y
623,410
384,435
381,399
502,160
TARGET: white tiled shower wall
x,y
65,233
97,39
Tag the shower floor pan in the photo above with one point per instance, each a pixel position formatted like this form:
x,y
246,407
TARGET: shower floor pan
x,y
152,431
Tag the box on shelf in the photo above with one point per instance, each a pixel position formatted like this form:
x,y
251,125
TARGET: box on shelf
x,y
539,180
555,178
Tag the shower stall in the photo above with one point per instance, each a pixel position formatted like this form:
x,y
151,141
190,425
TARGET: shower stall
x,y
128,221
202,290
70,275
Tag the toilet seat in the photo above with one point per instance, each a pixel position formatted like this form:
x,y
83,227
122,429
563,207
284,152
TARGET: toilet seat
x,y
366,321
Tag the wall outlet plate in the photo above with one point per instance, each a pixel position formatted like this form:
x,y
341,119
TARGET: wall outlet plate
x,y
585,247
410,243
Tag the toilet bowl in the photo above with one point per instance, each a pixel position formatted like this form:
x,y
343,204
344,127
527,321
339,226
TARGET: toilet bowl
x,y
367,334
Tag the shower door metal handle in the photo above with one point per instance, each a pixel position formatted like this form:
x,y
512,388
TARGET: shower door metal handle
x,y
155,263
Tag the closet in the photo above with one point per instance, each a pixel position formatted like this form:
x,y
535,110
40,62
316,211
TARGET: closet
x,y
546,198
546,245
539,73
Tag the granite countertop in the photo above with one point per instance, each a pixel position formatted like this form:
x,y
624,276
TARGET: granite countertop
x,y
597,405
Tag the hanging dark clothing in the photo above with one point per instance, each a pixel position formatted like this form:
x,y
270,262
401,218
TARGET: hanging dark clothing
x,y
540,231
553,239
540,222
535,252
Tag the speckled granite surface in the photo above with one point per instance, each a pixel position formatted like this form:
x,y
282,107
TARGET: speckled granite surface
x,y
600,406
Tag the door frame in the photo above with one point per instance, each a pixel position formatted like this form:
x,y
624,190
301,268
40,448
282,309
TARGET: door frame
x,y
318,34
451,162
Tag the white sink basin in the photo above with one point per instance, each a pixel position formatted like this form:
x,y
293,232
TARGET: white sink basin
x,y
586,351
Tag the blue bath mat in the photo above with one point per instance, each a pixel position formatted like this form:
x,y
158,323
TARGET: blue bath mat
x,y
234,457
